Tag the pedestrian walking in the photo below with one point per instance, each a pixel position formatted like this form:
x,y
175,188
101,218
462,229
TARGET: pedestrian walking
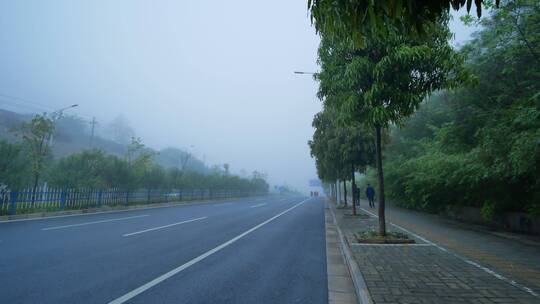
x,y
370,194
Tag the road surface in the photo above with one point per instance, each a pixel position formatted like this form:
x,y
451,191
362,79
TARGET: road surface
x,y
250,250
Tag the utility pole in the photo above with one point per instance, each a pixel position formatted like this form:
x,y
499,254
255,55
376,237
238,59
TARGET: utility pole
x,y
93,123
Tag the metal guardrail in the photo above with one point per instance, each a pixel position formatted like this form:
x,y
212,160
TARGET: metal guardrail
x,y
43,200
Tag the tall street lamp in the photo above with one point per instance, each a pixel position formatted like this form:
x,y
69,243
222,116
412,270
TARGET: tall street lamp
x,y
56,115
305,73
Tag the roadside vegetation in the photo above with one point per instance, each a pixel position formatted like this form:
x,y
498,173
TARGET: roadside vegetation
x,y
29,163
450,127
478,145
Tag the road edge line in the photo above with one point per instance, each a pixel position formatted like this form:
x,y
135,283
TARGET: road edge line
x,y
93,222
84,212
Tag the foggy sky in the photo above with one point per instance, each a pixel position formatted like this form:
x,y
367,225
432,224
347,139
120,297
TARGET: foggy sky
x,y
215,75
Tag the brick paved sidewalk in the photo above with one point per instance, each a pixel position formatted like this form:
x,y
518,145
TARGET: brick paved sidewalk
x,y
519,260
423,273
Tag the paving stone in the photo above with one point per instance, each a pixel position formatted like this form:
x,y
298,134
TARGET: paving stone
x,y
424,274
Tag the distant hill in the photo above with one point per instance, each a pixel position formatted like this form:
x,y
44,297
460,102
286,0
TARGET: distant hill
x,y
10,120
173,157
72,135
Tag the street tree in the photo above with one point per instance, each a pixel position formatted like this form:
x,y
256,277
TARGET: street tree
x,y
320,149
340,149
360,19
36,134
357,146
139,161
13,165
385,81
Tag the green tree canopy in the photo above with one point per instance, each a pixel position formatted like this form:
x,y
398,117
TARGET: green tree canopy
x,y
480,145
340,148
359,19
14,167
385,81
36,135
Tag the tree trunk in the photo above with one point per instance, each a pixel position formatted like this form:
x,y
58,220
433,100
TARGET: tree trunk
x,y
329,192
34,189
38,165
338,192
380,176
353,193
345,192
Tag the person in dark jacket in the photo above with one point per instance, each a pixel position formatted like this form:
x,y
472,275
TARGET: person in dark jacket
x,y
370,194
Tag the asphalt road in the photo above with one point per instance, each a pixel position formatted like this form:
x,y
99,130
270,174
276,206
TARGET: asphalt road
x,y
252,250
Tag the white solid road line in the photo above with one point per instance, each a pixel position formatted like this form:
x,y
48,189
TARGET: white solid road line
x,y
166,226
128,296
94,222
464,259
258,205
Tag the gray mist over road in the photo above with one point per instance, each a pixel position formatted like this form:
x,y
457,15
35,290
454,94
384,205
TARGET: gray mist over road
x,y
213,75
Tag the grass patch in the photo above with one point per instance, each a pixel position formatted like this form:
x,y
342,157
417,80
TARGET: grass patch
x,y
392,237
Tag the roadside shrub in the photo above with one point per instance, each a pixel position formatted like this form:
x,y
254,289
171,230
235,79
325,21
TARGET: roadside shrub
x,y
488,210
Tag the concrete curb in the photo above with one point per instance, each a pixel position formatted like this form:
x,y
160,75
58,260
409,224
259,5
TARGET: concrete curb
x,y
362,292
98,210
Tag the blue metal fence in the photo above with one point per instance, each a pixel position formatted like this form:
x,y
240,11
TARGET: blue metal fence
x,y
43,199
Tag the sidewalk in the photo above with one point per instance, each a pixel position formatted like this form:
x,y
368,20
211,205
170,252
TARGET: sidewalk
x,y
512,255
446,265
